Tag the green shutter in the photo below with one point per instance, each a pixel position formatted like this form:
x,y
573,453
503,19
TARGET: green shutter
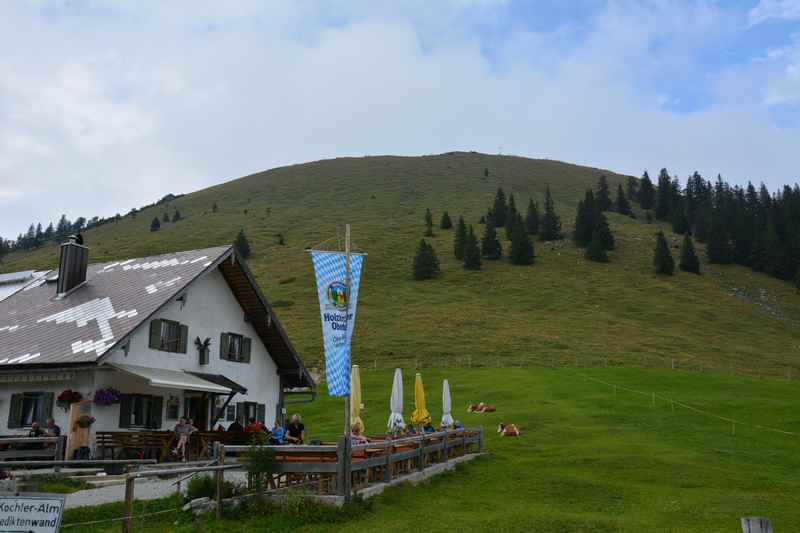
x,y
44,408
223,346
184,336
156,412
15,411
155,334
245,349
125,411
261,412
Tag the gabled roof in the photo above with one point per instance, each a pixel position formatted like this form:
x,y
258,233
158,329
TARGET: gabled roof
x,y
38,329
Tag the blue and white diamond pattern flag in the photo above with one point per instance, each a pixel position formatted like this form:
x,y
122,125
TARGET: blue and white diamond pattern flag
x,y
337,307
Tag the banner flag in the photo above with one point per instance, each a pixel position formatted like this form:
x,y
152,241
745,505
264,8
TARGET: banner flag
x,y
337,310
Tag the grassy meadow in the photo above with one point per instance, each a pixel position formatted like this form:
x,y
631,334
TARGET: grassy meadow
x,y
586,461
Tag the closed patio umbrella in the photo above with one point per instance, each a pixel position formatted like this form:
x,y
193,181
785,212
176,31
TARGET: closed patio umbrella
x,y
355,399
447,405
396,422
420,416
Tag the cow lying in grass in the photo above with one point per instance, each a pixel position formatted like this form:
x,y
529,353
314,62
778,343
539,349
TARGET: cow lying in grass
x,y
508,430
481,408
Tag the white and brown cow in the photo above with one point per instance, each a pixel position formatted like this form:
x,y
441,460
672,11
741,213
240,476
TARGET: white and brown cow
x,y
508,430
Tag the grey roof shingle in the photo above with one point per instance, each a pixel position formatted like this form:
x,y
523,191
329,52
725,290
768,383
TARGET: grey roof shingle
x,y
37,328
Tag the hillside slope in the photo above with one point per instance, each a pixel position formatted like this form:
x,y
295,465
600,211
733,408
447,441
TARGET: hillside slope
x,y
561,308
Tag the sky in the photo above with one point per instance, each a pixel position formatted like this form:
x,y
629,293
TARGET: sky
x,y
107,105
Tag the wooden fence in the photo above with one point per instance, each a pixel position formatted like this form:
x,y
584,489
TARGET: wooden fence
x,y
21,448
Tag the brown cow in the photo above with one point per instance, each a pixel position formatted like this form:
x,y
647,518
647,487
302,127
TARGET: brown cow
x,y
508,430
481,408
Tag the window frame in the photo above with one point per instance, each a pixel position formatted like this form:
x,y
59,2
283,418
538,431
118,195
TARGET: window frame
x,y
170,345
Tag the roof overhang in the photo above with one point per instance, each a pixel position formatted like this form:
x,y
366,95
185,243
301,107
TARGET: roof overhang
x,y
221,380
172,379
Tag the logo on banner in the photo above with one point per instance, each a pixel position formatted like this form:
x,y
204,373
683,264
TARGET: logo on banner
x,y
337,295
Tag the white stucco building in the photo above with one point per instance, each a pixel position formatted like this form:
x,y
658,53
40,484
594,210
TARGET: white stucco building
x,y
182,334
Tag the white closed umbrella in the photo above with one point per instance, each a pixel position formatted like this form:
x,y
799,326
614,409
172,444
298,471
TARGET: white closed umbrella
x,y
447,405
396,422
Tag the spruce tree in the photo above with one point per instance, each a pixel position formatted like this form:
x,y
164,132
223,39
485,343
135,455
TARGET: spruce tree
x,y
621,205
242,245
603,194
662,259
426,264
155,225
165,218
551,224
603,232
500,208
428,223
214,208
521,252
176,216
472,254
633,189
596,251
719,248
585,219
460,238
485,172
532,218
689,261
490,245
647,193
511,216
680,224
664,193
446,223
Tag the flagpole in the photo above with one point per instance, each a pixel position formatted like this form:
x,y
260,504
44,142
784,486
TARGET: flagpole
x,y
347,321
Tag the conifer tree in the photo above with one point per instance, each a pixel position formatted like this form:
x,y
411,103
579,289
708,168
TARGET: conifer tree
x,y
585,219
532,218
428,223
165,218
680,224
662,259
485,172
472,254
155,225
176,216
551,224
596,251
511,215
214,208
647,193
689,261
521,252
446,223
719,248
499,209
50,232
603,232
603,194
426,264
664,193
633,189
460,238
63,228
490,245
242,244
621,205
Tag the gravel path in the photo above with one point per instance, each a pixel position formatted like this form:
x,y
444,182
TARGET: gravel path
x,y
146,489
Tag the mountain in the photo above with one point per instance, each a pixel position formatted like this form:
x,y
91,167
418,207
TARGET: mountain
x,y
563,309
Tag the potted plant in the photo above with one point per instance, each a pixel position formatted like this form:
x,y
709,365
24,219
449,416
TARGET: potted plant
x,y
85,421
107,396
67,398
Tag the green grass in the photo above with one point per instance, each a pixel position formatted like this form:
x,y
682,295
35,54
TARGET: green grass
x,y
586,461
559,308
60,484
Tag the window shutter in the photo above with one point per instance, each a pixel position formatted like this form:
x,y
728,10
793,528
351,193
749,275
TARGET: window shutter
x,y
125,411
45,408
155,334
223,346
261,412
15,411
156,412
184,337
245,349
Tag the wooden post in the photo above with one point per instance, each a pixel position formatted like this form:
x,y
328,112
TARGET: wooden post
x,y
387,473
343,473
445,453
756,524
127,524
480,440
220,453
421,460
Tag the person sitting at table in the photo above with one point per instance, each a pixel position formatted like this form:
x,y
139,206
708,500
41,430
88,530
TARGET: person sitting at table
x,y
254,426
277,433
236,426
53,430
356,437
183,429
36,430
411,430
428,428
296,431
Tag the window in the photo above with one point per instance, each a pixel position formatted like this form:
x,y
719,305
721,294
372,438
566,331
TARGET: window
x,y
247,410
168,336
234,347
27,407
140,411
230,413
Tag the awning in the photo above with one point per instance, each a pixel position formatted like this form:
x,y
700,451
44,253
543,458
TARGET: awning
x,y
171,379
221,380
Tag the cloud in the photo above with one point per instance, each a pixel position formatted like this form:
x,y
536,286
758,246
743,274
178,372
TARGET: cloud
x,y
113,105
767,10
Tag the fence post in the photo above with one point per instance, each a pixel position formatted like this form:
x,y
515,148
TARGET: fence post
x,y
220,453
387,473
421,461
343,473
480,439
444,448
127,524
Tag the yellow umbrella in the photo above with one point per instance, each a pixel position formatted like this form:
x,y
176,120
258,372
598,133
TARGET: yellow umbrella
x,y
420,416
355,399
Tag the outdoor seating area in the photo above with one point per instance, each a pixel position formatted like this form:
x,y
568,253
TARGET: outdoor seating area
x,y
158,444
